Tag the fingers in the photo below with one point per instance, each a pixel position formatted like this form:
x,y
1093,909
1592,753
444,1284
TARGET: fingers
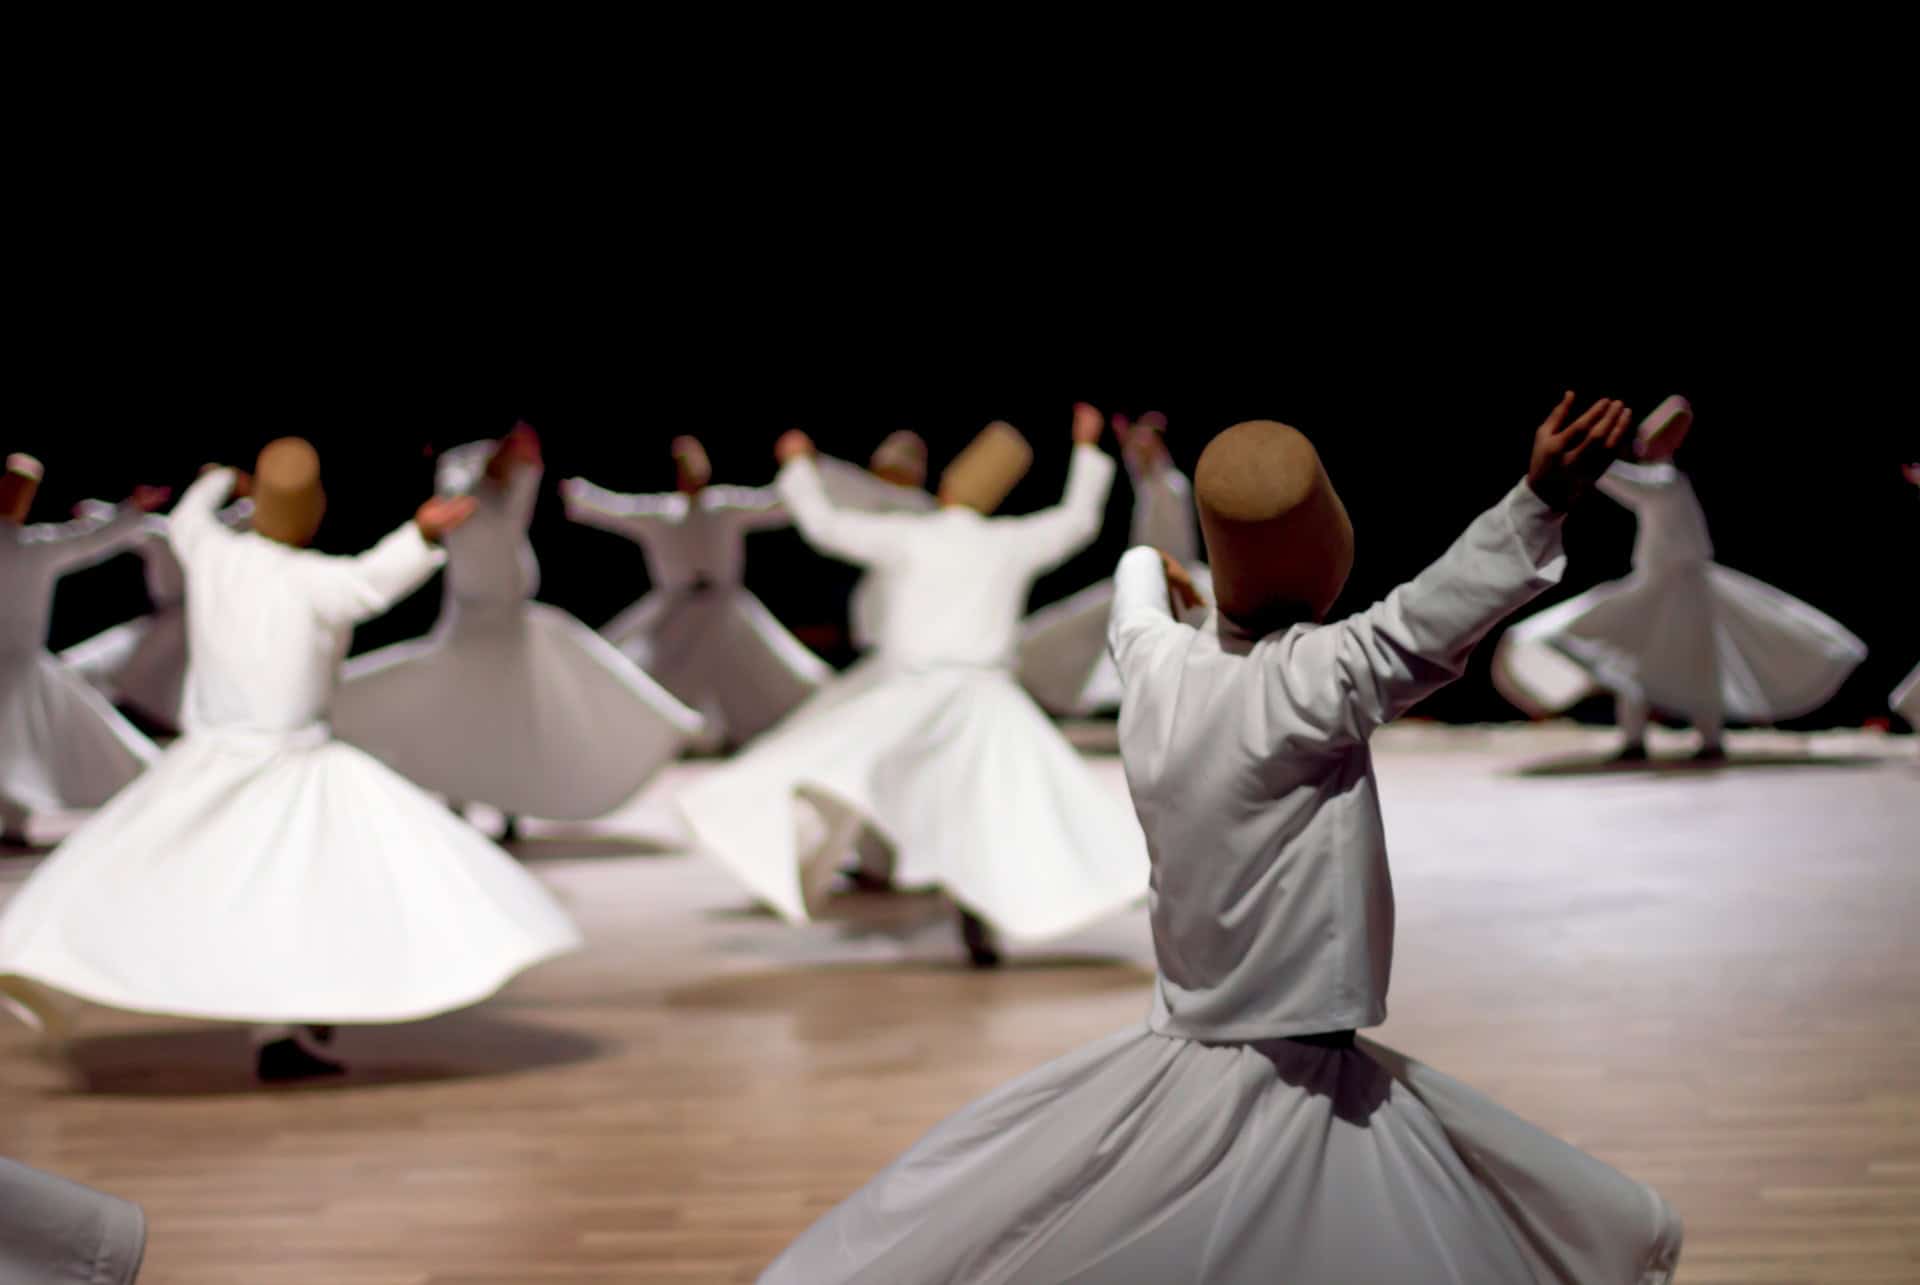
x,y
1558,414
1592,416
1617,434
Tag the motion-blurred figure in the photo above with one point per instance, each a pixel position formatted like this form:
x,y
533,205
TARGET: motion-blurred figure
x,y
894,481
62,747
930,743
141,664
1063,647
508,701
1905,700
1242,1134
262,871
698,631
1682,633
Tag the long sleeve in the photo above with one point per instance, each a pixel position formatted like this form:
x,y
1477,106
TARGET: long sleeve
x,y
1344,680
349,590
101,531
195,519
859,538
849,486
1053,535
626,515
755,508
1141,606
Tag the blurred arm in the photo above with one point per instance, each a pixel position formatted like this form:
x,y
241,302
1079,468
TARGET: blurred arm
x,y
859,538
1053,535
350,590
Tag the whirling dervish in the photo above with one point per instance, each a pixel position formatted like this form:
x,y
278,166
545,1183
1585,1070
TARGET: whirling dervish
x,y
1063,647
1242,1134
62,746
931,744
698,631
509,702
262,871
1682,634
141,664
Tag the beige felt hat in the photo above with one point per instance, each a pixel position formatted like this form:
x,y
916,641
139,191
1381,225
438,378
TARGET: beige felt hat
x,y
18,485
901,458
287,499
982,476
1661,432
1279,543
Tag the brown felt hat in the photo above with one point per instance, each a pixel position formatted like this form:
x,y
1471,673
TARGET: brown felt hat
x,y
287,499
1279,543
983,475
690,458
18,485
1662,431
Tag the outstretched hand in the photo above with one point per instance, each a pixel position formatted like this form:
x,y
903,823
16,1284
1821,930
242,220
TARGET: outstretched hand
x,y
1569,458
149,498
443,514
793,445
1181,591
242,480
1087,424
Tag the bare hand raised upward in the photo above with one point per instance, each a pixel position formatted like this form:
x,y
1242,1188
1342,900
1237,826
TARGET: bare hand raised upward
x,y
793,444
1087,424
442,514
1569,458
1181,591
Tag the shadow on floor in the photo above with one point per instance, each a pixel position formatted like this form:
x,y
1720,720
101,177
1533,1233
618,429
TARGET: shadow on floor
x,y
840,986
1608,765
213,1060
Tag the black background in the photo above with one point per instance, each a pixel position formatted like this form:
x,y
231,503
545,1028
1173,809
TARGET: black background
x,y
1416,337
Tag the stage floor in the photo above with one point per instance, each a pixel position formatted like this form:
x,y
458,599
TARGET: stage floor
x,y
1708,978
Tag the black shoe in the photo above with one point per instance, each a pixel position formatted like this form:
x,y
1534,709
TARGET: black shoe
x,y
866,880
1631,752
320,1034
1710,754
510,832
281,1061
978,939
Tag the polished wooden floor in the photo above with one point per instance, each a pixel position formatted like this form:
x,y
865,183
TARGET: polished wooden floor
x,y
1709,978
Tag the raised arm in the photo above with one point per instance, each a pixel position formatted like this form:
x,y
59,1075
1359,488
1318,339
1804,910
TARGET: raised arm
x,y
1344,680
849,486
349,590
754,508
627,515
99,531
851,536
196,518
1053,535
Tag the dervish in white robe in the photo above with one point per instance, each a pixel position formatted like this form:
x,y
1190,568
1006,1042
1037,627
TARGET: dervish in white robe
x,y
62,746
262,871
508,701
848,486
141,664
1064,661
699,631
1681,634
930,743
1241,1134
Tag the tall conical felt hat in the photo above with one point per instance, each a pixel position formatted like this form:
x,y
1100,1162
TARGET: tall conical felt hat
x,y
901,457
287,499
982,476
1279,543
18,485
1662,431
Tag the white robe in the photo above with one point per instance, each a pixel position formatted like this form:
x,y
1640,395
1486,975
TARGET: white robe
x,y
142,663
1200,1145
1063,647
509,702
699,632
1905,700
262,871
62,746
930,742
848,486
1682,633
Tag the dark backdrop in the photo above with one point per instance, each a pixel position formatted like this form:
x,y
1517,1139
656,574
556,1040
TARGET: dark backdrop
x,y
1420,382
